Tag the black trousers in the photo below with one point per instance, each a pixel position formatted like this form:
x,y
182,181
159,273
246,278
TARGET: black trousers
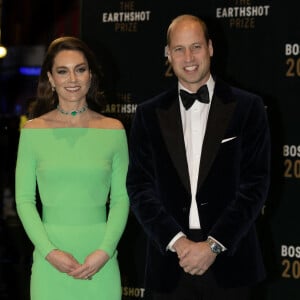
x,y
195,287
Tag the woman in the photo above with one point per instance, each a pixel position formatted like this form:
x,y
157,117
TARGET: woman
x,y
79,158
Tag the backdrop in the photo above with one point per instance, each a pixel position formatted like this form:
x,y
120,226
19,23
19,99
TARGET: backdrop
x,y
256,47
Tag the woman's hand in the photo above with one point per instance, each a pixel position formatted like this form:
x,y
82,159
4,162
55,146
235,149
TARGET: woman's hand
x,y
92,264
62,261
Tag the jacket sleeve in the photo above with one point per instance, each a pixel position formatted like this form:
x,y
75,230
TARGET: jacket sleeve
x,y
252,182
142,186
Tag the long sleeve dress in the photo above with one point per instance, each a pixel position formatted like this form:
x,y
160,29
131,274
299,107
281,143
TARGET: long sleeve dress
x,y
80,173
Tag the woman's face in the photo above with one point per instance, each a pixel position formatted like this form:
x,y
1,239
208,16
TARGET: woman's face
x,y
70,76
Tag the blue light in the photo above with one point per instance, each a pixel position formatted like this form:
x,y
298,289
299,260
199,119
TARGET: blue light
x,y
30,71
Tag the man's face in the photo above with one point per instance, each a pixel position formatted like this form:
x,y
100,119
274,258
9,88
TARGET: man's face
x,y
189,54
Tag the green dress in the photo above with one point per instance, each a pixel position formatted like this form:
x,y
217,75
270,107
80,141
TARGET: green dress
x,y
81,175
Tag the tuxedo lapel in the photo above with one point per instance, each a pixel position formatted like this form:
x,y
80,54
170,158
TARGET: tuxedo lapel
x,y
171,128
222,108
217,123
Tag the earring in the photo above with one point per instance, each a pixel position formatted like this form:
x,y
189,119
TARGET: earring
x,y
53,88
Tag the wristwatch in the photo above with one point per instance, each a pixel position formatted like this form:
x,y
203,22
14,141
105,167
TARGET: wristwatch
x,y
214,246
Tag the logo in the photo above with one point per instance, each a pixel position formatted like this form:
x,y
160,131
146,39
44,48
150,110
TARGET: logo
x,y
242,15
126,18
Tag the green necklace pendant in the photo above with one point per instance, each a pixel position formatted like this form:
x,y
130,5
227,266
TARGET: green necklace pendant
x,y
73,113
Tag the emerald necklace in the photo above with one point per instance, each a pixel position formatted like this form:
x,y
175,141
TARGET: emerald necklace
x,y
73,112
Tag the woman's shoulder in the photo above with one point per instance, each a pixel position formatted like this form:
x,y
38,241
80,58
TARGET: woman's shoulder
x,y
39,122
102,121
34,123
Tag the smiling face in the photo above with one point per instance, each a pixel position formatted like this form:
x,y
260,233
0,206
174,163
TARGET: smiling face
x,y
70,76
189,53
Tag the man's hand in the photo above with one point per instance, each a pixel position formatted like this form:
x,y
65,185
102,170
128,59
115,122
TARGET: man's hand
x,y
194,257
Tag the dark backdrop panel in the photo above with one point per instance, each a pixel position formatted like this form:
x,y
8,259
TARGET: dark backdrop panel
x,y
256,47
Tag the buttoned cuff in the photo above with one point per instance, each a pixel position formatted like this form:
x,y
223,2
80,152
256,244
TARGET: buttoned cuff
x,y
174,239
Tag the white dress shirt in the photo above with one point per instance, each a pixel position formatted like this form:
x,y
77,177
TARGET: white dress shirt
x,y
194,123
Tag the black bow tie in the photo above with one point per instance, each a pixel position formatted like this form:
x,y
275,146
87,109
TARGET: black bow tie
x,y
188,99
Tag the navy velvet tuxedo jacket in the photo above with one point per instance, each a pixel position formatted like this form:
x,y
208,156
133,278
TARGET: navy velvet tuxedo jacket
x,y
232,184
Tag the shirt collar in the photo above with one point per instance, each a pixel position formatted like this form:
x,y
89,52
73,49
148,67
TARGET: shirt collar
x,y
210,85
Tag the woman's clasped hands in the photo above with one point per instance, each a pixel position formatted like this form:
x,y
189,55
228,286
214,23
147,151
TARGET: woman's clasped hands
x,y
67,263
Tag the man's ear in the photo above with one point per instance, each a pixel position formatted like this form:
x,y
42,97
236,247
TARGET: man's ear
x,y
167,53
210,48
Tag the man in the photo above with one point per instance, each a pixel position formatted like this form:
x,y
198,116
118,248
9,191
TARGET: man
x,y
198,177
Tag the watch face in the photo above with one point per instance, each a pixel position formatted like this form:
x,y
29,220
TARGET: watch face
x,y
216,248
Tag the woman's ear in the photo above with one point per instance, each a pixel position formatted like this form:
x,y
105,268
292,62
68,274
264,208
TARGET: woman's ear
x,y
50,79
